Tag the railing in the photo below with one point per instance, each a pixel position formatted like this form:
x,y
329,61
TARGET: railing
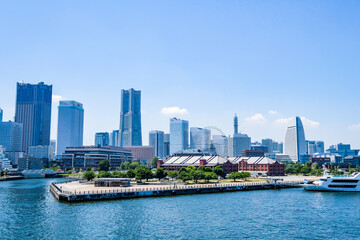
x,y
175,187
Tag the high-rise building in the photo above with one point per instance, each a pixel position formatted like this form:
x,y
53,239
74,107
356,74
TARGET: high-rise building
x,y
41,152
53,144
200,138
295,145
33,110
1,115
320,147
220,143
236,125
130,118
179,135
70,125
156,140
11,136
102,139
238,143
269,144
166,144
114,138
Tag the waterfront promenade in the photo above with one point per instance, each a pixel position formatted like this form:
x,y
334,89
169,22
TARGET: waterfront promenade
x,y
78,191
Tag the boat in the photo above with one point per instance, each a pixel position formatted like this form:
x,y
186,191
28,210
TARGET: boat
x,y
334,183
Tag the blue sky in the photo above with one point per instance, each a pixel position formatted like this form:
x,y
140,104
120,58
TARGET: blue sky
x,y
267,61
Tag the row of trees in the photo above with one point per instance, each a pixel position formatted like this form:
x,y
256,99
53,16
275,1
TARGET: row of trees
x,y
141,172
305,169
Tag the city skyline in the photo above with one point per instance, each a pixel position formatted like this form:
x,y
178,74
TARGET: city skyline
x,y
202,69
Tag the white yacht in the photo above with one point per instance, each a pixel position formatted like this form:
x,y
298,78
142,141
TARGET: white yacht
x,y
340,183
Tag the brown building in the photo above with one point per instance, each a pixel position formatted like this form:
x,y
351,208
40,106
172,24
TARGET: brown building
x,y
255,165
141,153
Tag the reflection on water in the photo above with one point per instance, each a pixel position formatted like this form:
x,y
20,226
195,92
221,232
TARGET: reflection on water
x,y
28,211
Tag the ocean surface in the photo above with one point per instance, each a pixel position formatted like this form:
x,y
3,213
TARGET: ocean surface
x,y
29,211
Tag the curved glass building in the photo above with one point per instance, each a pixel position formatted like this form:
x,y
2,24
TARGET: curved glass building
x,y
295,144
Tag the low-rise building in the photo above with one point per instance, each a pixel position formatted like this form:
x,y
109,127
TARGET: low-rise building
x,y
90,156
259,166
29,163
255,165
143,154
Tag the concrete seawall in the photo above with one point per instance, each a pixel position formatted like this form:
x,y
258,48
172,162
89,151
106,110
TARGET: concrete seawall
x,y
124,193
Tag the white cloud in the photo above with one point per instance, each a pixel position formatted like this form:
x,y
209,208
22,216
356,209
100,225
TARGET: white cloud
x,y
306,122
56,99
172,111
309,123
257,118
355,127
272,112
284,121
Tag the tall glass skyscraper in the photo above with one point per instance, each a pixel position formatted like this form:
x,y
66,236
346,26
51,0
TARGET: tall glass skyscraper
x,y
295,144
1,115
130,118
166,144
200,138
102,139
33,110
11,136
114,138
220,143
179,135
70,125
156,140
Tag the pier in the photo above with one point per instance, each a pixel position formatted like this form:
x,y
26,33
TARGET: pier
x,y
76,191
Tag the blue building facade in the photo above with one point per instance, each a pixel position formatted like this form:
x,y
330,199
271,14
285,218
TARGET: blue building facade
x,y
114,138
11,136
130,118
70,125
156,140
101,139
33,110
200,138
179,135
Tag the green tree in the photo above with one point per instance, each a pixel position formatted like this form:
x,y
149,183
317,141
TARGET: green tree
x,y
182,169
140,174
173,174
69,172
125,166
88,169
209,176
130,173
116,174
306,170
317,166
357,168
104,165
208,169
103,174
148,173
190,168
219,171
245,175
185,176
332,166
1,173
235,175
160,173
6,172
134,165
154,162
89,175
201,168
197,175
